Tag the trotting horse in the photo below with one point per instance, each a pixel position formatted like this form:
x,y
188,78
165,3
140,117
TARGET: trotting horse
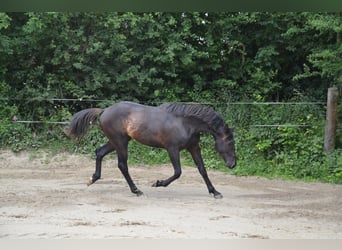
x,y
173,126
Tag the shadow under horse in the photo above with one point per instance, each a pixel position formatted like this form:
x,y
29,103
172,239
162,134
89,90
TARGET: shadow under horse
x,y
173,126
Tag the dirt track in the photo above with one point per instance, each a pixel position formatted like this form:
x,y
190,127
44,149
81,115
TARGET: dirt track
x,y
48,198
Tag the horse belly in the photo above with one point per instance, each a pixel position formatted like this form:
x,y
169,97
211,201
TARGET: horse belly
x,y
145,134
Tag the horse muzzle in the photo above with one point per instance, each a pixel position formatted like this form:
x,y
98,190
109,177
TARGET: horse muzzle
x,y
231,164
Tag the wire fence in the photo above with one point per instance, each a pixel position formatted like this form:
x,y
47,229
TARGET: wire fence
x,y
159,102
288,124
42,122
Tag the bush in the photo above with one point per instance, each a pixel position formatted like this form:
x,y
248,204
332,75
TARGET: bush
x,y
13,135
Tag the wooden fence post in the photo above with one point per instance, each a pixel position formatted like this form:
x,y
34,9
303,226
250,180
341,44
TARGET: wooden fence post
x,y
331,120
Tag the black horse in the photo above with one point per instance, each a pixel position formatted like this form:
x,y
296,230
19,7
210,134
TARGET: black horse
x,y
173,126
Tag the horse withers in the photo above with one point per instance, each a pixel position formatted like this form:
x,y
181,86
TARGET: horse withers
x,y
172,126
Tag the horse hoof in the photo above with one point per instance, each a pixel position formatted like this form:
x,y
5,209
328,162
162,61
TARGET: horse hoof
x,y
218,196
139,193
90,181
157,184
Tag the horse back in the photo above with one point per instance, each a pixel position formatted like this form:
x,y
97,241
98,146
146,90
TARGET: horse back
x,y
149,125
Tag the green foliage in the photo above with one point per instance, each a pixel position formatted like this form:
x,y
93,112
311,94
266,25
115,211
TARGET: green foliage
x,y
9,135
326,59
290,152
153,57
214,58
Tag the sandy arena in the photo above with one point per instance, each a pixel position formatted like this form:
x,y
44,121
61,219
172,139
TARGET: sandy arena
x,y
47,197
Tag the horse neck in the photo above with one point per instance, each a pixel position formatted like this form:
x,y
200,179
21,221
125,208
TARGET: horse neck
x,y
216,132
200,126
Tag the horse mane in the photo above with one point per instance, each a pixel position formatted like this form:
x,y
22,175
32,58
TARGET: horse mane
x,y
198,111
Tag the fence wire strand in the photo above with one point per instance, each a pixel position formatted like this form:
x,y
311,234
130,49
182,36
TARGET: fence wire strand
x,y
208,103
205,103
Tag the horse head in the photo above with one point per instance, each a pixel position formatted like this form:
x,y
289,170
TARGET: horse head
x,y
225,146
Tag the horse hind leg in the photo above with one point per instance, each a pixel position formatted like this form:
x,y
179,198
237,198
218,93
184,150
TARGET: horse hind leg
x,y
100,153
122,165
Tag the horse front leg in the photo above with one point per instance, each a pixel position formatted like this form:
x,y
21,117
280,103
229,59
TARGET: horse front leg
x,y
195,152
100,153
175,160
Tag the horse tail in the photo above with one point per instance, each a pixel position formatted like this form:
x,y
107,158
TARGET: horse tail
x,y
81,122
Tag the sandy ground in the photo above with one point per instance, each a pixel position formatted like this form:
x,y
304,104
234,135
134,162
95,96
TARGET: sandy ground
x,y
46,197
